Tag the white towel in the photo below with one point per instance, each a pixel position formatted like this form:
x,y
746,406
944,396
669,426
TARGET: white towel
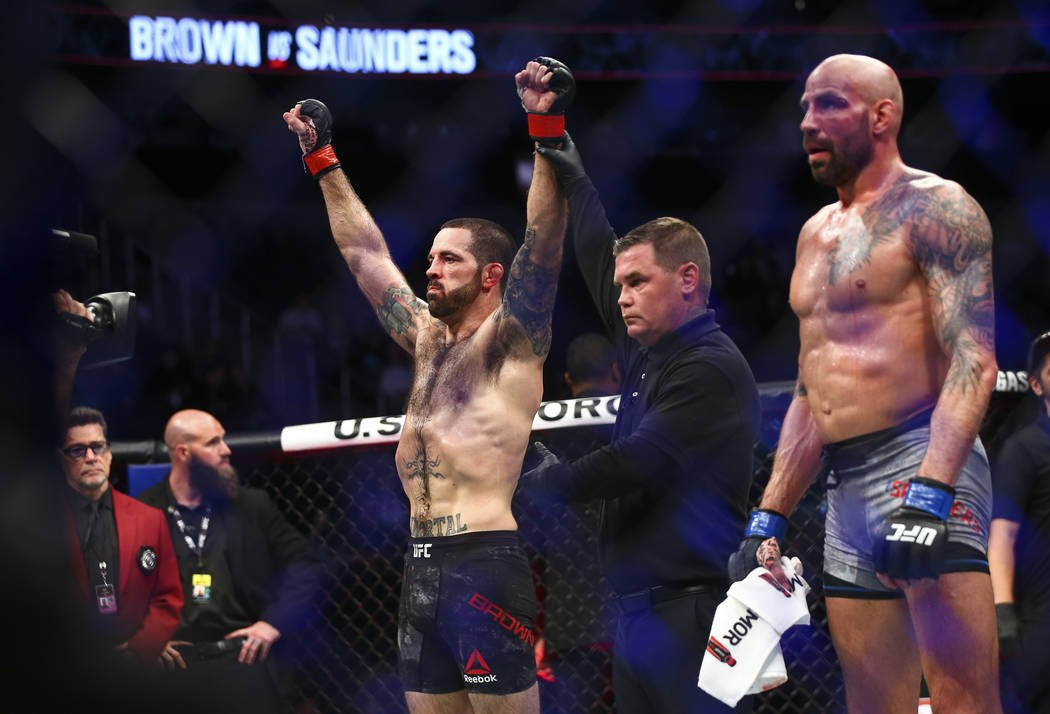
x,y
780,608
743,651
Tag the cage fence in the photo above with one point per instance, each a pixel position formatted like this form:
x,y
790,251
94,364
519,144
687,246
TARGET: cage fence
x,y
350,504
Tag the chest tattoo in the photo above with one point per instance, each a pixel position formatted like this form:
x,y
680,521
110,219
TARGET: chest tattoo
x,y
859,238
420,470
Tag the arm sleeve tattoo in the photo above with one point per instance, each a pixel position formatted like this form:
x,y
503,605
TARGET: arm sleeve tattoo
x,y
952,241
400,312
530,296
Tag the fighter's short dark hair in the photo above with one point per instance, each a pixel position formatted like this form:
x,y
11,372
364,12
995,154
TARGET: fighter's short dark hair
x,y
674,242
82,416
489,243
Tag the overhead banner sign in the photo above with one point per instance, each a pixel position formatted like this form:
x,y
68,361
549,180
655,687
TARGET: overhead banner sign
x,y
676,51
197,41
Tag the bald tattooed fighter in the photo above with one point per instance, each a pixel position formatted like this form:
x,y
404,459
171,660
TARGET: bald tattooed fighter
x,y
479,341
893,291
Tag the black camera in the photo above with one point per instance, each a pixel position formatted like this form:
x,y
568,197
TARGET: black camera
x,y
109,332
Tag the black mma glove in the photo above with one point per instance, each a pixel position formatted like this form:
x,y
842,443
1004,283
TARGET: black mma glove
x,y
548,127
566,161
541,459
1009,630
543,473
318,155
764,523
910,544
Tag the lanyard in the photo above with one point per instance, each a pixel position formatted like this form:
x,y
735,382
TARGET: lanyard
x,y
86,548
198,547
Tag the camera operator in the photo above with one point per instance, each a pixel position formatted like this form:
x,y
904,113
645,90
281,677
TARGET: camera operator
x,y
123,561
67,351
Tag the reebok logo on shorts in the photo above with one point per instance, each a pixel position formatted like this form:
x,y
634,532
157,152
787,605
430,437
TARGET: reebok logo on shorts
x,y
477,670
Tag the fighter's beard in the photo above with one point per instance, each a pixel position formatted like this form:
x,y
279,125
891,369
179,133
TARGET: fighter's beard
x,y
455,300
214,483
832,173
844,163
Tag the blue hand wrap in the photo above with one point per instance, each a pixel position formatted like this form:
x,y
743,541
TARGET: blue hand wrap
x,y
766,524
935,500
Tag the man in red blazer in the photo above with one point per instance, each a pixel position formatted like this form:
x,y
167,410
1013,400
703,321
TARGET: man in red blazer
x,y
122,555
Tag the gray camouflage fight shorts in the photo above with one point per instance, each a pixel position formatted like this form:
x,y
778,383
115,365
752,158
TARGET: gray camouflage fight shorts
x,y
867,477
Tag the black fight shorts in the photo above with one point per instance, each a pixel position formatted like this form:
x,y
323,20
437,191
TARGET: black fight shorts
x,y
468,608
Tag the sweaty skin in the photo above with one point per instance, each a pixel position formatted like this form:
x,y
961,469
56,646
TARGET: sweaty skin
x,y
892,288
869,278
893,291
467,424
478,352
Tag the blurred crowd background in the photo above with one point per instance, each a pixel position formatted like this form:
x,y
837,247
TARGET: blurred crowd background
x,y
193,185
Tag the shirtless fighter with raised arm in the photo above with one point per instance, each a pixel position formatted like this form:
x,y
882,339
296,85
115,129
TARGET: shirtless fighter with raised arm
x,y
893,290
479,342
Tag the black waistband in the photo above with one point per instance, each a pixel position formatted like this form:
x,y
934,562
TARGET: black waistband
x,y
646,598
872,440
468,540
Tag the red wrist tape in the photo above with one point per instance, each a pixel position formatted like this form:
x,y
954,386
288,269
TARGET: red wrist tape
x,y
546,126
321,160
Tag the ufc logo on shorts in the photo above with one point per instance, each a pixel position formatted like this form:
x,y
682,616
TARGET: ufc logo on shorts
x,y
923,535
421,550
